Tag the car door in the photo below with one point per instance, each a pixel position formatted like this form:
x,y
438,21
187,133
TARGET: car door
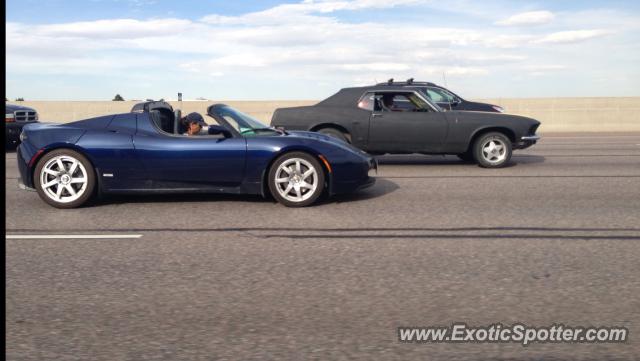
x,y
405,129
190,162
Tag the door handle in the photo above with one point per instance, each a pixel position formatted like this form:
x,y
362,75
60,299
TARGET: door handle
x,y
373,115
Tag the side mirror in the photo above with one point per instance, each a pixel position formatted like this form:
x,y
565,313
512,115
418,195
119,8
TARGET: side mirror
x,y
217,129
456,101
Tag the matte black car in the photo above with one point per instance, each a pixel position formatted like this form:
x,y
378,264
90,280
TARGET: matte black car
x,y
445,98
397,119
16,117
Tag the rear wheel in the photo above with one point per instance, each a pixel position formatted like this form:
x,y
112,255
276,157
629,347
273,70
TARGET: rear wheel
x,y
296,179
332,132
492,150
64,179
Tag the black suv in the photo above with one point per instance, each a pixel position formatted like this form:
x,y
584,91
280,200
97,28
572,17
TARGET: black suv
x,y
15,118
444,97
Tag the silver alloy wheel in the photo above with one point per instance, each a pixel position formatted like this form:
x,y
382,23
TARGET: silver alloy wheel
x,y
296,180
63,179
494,151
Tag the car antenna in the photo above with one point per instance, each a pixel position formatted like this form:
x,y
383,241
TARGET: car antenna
x,y
409,81
390,81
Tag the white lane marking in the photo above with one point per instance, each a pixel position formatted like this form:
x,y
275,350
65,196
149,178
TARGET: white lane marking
x,y
589,137
71,236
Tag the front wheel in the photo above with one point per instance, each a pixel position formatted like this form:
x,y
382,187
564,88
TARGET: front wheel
x,y
64,179
296,179
492,150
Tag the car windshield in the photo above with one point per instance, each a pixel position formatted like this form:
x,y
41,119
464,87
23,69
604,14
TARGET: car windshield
x,y
243,123
439,95
420,103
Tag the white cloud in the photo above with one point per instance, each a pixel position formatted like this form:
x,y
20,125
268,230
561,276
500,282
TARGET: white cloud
x,y
114,28
302,11
528,18
573,36
375,67
308,41
544,69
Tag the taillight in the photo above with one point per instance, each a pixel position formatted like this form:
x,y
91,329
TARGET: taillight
x,y
9,118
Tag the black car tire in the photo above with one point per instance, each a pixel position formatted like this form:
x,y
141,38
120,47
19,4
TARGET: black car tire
x,y
75,177
278,183
466,156
332,132
492,150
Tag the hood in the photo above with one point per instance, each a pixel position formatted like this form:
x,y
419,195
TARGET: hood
x,y
324,138
10,108
314,135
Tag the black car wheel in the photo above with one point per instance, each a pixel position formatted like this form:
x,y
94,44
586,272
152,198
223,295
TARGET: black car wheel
x,y
332,132
64,179
296,179
492,150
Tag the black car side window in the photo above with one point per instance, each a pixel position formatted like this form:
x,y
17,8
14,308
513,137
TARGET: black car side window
x,y
366,102
400,102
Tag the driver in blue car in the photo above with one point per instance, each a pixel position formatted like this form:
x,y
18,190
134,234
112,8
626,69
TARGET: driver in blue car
x,y
193,123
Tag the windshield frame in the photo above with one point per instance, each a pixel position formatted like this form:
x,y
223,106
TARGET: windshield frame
x,y
215,110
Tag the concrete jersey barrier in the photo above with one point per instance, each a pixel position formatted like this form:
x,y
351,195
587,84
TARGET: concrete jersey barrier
x,y
619,114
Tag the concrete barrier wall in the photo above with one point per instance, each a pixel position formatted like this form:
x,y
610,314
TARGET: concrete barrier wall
x,y
620,114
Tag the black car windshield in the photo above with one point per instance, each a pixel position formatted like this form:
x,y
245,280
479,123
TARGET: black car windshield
x,y
243,123
424,103
439,95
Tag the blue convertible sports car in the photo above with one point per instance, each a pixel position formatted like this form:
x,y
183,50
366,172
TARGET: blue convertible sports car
x,y
144,151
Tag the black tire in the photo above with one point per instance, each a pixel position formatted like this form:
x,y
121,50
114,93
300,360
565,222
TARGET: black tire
x,y
278,189
333,132
466,156
83,170
497,157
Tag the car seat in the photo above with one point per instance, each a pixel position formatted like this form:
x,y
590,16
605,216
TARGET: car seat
x,y
162,120
177,115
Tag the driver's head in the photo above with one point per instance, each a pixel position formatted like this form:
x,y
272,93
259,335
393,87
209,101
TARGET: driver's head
x,y
194,122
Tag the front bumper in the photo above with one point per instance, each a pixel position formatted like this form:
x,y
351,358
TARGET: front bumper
x,y
526,141
360,176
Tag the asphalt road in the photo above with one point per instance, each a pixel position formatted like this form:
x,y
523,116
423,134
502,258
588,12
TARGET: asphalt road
x,y
554,238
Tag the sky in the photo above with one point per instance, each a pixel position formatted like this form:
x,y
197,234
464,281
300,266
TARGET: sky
x,y
279,50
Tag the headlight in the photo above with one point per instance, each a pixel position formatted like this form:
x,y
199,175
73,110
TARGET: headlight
x,y
498,108
22,136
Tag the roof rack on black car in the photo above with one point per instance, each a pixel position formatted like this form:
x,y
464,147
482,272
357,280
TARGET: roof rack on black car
x,y
409,81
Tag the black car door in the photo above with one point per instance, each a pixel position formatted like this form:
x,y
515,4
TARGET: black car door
x,y
405,128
